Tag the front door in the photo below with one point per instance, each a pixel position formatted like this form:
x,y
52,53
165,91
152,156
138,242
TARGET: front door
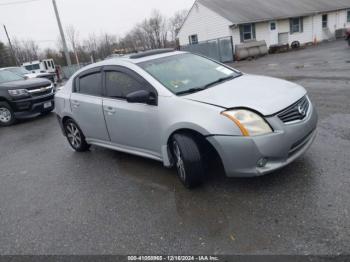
x,y
133,126
273,32
86,104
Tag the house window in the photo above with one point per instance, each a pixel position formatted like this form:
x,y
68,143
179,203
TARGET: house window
x,y
324,21
348,16
296,25
193,39
247,32
273,26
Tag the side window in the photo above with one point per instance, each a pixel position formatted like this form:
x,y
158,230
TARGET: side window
x,y
193,39
119,84
273,26
91,84
296,25
324,21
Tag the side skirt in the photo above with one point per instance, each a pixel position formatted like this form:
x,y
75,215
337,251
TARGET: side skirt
x,y
125,149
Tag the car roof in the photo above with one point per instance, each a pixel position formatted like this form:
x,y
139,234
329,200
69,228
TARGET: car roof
x,y
127,59
148,55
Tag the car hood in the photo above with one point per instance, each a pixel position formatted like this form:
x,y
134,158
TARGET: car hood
x,y
264,94
34,75
23,84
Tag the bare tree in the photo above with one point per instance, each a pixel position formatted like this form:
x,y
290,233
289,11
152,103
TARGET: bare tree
x,y
25,50
73,38
157,31
175,23
5,57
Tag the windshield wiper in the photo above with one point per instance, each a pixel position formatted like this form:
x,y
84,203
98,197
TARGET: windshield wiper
x,y
191,91
197,89
220,80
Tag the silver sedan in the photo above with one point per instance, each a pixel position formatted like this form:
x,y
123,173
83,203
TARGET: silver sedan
x,y
176,107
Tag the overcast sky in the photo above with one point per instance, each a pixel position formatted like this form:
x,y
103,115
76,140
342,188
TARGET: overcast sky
x,y
36,19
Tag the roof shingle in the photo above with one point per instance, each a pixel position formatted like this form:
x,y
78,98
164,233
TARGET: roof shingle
x,y
246,11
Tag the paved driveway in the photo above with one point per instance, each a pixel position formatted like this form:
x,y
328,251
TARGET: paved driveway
x,y
55,201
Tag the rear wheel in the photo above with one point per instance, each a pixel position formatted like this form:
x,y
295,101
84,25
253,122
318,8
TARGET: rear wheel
x,y
75,136
7,116
188,160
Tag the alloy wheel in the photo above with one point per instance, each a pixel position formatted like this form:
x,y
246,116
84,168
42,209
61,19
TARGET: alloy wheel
x,y
179,161
74,135
5,115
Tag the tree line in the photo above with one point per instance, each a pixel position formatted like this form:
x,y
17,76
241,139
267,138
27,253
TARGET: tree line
x,y
157,31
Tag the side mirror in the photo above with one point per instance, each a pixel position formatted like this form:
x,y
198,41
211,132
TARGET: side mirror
x,y
143,97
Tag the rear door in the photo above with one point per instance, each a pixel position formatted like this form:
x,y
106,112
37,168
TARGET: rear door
x,y
134,126
86,104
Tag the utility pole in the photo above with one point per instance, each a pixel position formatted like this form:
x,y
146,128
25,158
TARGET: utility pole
x,y
10,44
65,49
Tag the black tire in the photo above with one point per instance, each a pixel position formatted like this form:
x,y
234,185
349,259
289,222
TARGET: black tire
x,y
75,136
188,160
7,116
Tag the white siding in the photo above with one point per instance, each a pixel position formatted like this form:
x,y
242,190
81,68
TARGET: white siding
x,y
236,37
262,31
209,25
312,29
205,23
307,35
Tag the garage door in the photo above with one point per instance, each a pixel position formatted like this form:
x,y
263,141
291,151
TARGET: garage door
x,y
283,38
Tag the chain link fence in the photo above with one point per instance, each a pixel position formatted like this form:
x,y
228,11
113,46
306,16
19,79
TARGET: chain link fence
x,y
68,71
220,49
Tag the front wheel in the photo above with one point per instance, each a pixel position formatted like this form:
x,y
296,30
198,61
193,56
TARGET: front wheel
x,y
75,136
188,160
7,116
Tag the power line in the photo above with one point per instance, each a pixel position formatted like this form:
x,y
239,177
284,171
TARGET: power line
x,y
18,2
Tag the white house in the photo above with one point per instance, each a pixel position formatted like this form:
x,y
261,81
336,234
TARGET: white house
x,y
275,21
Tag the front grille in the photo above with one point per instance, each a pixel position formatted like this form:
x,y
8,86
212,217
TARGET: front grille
x,y
41,91
295,112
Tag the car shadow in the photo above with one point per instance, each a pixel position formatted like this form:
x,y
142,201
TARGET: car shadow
x,y
31,120
154,174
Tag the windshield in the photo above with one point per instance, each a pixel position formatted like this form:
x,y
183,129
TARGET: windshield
x,y
18,70
6,76
32,67
188,73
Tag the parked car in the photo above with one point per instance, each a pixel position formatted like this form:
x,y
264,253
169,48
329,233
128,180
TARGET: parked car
x,y
175,107
347,35
45,66
28,75
23,98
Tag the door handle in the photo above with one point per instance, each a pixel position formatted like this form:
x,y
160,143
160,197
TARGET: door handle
x,y
110,110
75,103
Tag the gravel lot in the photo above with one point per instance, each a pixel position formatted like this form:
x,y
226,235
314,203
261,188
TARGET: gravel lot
x,y
55,201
